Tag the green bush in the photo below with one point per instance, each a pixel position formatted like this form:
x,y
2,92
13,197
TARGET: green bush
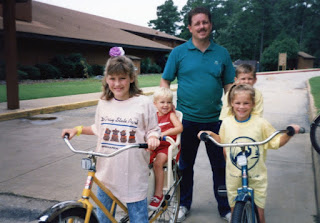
x,y
22,75
147,66
48,71
32,71
97,69
72,66
2,71
155,68
269,60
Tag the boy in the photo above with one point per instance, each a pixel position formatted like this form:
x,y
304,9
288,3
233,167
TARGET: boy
x,y
170,126
245,74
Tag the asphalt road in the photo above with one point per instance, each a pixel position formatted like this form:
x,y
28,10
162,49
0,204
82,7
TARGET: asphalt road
x,y
37,169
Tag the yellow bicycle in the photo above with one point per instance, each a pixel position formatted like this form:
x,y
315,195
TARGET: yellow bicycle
x,y
83,210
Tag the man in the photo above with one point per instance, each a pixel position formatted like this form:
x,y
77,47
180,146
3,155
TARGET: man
x,y
203,70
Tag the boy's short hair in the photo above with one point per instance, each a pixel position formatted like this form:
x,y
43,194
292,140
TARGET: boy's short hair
x,y
247,69
162,92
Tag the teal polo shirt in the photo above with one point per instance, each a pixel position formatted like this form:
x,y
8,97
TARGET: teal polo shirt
x,y
201,77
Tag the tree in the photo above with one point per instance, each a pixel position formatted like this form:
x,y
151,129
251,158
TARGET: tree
x,y
168,17
287,45
248,28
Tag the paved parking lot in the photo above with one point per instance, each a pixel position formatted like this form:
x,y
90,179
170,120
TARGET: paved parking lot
x,y
38,168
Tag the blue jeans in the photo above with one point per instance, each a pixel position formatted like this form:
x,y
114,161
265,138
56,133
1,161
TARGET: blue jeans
x,y
138,211
189,149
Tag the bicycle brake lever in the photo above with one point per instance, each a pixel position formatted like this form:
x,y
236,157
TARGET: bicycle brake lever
x,y
302,130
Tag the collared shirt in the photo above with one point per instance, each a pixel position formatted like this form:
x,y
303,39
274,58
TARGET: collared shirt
x,y
201,77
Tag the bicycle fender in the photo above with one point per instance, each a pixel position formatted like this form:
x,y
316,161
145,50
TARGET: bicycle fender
x,y
52,212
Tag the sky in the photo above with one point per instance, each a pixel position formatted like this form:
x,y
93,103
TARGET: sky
x,y
138,12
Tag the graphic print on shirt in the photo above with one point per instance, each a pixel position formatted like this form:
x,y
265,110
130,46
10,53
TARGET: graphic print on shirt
x,y
123,136
252,152
132,137
115,137
106,135
117,130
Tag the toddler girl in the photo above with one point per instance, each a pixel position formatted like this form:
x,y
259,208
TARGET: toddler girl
x,y
170,126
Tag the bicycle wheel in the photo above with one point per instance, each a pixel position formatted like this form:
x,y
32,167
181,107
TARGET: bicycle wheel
x,y
242,213
75,215
315,133
168,212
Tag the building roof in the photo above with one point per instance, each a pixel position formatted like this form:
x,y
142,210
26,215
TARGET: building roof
x,y
305,55
58,23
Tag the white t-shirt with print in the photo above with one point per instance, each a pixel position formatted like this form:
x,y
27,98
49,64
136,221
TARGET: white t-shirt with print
x,y
119,123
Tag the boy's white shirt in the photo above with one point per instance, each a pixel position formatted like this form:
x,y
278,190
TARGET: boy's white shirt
x,y
126,174
257,110
255,130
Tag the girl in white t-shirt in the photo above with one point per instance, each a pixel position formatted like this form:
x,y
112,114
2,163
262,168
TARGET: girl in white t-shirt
x,y
243,126
123,116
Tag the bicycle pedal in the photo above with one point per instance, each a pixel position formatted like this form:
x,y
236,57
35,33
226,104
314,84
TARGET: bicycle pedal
x,y
222,191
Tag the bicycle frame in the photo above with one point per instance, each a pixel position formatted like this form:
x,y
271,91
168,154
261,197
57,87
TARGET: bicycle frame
x,y
245,192
84,203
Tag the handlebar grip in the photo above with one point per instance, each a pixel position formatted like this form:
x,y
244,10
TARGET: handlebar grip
x,y
204,136
290,131
143,145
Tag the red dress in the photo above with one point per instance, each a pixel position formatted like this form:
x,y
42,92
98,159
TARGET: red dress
x,y
164,124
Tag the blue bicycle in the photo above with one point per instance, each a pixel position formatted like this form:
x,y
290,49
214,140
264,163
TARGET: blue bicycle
x,y
245,210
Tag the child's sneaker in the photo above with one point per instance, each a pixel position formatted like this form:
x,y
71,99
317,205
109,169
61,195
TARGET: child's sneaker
x,y
155,202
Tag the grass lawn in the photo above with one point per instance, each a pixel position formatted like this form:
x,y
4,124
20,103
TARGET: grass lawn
x,y
62,88
315,91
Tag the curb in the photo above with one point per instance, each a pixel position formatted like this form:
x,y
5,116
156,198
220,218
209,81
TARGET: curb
x,y
287,71
57,108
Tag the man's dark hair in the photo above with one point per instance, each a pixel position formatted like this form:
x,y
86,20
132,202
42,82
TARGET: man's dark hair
x,y
196,11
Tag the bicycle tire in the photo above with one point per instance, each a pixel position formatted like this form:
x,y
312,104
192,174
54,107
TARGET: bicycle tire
x,y
242,213
315,133
77,215
170,207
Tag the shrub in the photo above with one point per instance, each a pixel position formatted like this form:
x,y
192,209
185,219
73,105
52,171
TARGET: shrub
x,y
48,71
147,66
2,71
63,66
155,68
97,69
22,75
269,60
32,71
72,66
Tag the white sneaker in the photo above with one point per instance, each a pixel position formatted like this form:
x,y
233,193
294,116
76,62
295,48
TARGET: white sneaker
x,y
183,212
227,217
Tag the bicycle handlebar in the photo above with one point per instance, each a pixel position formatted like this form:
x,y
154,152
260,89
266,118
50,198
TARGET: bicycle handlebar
x,y
205,137
138,145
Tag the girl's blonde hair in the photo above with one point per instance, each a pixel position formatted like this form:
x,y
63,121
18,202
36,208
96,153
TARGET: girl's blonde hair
x,y
235,89
162,92
116,66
